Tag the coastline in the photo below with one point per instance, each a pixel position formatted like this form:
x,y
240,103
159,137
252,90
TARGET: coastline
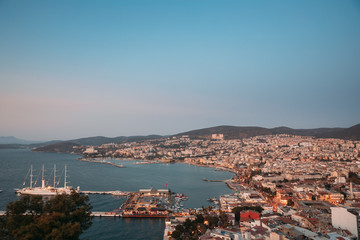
x,y
146,161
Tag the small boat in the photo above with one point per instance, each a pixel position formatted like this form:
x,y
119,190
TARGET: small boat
x,y
181,197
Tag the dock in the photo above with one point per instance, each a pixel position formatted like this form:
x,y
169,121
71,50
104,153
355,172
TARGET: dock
x,y
207,180
101,161
105,214
114,193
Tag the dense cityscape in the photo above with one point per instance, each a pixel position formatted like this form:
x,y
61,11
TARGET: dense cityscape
x,y
305,186
206,119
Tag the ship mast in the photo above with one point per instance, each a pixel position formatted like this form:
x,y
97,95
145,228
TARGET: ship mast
x,y
65,178
54,175
31,175
42,178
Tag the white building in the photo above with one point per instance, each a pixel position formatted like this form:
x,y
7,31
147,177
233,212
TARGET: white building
x,y
217,136
90,150
346,218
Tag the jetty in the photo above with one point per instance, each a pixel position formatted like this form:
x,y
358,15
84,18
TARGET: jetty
x,y
103,162
114,193
207,180
105,214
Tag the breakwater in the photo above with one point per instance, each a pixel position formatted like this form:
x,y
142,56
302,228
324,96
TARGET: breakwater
x,y
101,161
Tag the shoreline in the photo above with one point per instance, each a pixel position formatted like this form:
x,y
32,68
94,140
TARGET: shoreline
x,y
145,162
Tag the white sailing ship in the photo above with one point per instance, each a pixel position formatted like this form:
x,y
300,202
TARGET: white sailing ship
x,y
45,190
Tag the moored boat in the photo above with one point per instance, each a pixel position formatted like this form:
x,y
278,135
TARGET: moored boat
x,y
45,190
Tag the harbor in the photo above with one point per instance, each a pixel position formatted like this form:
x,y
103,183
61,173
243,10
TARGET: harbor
x,y
145,203
152,203
100,179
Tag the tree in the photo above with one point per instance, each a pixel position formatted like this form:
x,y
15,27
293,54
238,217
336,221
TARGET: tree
x,y
63,217
193,229
237,210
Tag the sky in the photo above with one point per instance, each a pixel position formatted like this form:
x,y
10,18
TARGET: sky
x,y
71,69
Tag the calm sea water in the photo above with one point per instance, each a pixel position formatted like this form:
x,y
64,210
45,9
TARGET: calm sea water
x,y
181,178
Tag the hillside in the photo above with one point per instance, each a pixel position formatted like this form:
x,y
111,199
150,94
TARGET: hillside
x,y
352,133
231,132
14,140
62,147
67,146
103,140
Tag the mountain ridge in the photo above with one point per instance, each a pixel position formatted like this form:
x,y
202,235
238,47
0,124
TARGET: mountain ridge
x,y
230,132
233,132
15,140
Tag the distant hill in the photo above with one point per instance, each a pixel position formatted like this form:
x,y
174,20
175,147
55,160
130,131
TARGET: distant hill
x,y
67,146
62,147
103,140
303,132
351,133
232,132
14,140
14,146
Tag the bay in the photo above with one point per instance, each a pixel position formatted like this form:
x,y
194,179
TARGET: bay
x,y
181,178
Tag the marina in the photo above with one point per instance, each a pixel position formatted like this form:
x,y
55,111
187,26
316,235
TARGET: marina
x,y
100,179
152,203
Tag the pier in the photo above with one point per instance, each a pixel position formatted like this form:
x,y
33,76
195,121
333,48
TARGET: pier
x,y
101,161
105,214
207,180
114,193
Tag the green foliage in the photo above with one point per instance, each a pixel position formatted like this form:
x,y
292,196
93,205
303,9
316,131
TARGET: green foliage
x,y
223,220
194,229
353,177
213,221
30,218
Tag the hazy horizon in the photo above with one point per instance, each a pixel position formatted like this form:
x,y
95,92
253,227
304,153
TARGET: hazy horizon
x,y
123,68
169,134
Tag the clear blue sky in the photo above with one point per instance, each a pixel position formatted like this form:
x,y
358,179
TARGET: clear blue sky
x,y
72,69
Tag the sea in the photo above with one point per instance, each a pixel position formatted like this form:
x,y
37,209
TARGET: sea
x,y
178,177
